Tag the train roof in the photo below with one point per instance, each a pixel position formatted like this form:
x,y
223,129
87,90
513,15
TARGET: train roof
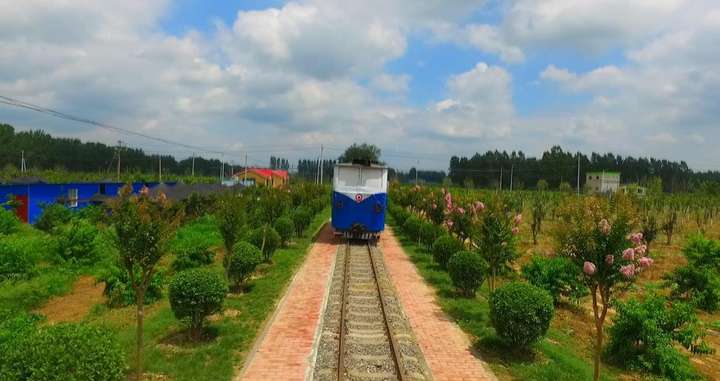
x,y
371,165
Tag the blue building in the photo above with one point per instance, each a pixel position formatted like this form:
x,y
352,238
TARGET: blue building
x,y
32,194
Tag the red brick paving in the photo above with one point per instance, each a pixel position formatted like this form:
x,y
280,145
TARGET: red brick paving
x,y
446,347
285,351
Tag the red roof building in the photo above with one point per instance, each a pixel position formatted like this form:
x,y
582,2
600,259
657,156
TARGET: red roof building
x,y
263,176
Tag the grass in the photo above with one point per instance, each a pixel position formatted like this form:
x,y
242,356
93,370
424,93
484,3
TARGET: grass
x,y
558,357
220,358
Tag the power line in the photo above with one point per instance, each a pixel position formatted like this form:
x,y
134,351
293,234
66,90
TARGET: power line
x,y
47,111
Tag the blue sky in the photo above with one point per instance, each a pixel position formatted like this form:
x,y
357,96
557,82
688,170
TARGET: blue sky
x,y
427,79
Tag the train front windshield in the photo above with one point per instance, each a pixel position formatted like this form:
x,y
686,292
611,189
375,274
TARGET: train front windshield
x,y
358,179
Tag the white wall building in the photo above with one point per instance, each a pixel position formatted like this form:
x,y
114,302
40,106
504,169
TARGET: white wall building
x,y
602,182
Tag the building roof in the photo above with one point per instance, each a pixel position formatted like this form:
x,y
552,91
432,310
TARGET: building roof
x,y
266,172
607,173
22,180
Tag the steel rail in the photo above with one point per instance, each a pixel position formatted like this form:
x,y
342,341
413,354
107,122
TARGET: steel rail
x,y
394,345
341,336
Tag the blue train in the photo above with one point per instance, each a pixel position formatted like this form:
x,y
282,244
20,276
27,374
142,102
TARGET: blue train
x,y
359,200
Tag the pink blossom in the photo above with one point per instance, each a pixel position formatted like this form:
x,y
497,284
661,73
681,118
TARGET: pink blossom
x,y
515,230
450,223
434,206
461,210
641,250
636,238
604,227
479,206
589,268
518,219
629,254
628,271
609,259
645,262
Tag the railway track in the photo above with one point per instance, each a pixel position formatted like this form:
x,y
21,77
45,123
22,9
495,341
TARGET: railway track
x,y
365,335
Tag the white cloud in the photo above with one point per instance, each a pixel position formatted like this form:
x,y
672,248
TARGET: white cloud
x,y
314,71
398,84
479,106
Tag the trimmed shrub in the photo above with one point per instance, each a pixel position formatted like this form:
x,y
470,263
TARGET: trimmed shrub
x,y
119,291
241,263
15,262
301,218
699,280
284,226
411,228
75,242
444,247
9,223
521,313
65,352
698,285
557,275
467,271
191,257
266,239
53,216
428,234
643,334
195,294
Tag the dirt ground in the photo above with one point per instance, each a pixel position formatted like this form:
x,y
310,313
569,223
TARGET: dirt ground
x,y
74,306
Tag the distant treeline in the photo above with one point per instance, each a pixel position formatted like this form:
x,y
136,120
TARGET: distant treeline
x,y
308,169
43,151
431,177
556,166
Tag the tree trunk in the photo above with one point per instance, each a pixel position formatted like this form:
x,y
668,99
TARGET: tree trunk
x,y
139,339
262,247
599,323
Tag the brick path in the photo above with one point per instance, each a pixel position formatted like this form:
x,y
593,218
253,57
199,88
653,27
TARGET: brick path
x,y
446,348
285,350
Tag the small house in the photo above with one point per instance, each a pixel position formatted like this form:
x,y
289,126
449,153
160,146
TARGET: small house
x,y
602,182
262,176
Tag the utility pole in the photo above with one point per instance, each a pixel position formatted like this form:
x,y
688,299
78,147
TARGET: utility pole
x,y
501,179
512,168
160,169
192,171
578,175
317,172
246,170
321,163
416,172
222,169
118,157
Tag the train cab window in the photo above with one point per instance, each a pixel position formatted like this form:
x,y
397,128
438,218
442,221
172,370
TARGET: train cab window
x,y
372,178
73,198
348,177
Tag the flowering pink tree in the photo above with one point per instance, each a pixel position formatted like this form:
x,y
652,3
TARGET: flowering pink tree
x,y
597,238
497,228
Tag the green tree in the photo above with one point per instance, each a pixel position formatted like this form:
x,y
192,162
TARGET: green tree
x,y
230,215
144,227
364,152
